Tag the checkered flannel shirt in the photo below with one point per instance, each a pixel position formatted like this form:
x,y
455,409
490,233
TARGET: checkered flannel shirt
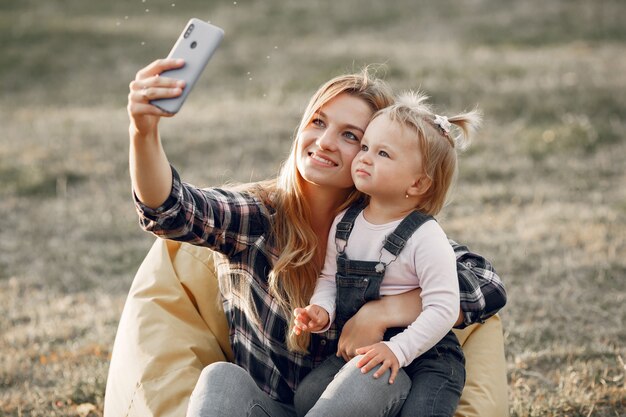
x,y
237,225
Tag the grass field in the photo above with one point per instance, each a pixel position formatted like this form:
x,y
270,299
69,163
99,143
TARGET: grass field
x,y
541,193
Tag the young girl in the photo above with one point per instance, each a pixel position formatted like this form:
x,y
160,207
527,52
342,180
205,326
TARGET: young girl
x,y
406,165
271,240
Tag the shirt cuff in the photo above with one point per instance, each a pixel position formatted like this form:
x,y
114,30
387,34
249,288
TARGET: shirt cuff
x,y
171,204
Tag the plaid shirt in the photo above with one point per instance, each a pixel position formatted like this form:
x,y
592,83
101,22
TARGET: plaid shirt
x,y
238,226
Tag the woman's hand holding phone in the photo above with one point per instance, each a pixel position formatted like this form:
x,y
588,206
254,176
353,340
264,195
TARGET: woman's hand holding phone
x,y
159,90
149,85
150,172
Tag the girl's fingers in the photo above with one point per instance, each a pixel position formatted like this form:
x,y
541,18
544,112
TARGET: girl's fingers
x,y
158,66
383,367
369,365
363,350
299,324
394,373
365,361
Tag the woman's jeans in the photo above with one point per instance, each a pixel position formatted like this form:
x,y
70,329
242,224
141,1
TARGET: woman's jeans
x,y
225,389
437,379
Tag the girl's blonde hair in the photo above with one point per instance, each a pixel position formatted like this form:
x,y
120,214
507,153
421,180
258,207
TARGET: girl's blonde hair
x,y
295,272
437,143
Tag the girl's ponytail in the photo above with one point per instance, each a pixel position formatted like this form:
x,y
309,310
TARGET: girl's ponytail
x,y
468,123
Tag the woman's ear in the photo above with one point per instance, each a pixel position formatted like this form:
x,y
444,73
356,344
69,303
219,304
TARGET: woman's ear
x,y
419,186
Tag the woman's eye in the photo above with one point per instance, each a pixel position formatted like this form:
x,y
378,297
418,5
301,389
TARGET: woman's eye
x,y
351,136
383,154
364,148
318,122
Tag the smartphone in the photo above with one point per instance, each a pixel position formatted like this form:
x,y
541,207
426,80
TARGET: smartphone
x,y
196,44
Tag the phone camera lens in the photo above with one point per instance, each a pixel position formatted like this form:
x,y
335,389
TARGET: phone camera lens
x,y
189,30
194,44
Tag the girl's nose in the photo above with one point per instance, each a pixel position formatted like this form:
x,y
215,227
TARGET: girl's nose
x,y
365,158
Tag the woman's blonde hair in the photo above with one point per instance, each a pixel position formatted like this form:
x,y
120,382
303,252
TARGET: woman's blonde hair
x,y
436,141
295,272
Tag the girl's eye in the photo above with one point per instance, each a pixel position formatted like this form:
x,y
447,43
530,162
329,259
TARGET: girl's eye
x,y
383,154
351,136
364,148
318,122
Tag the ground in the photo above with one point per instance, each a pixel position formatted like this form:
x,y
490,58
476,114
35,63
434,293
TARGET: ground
x,y
540,193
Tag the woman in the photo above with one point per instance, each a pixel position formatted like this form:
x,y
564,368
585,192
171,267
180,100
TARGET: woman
x,y
272,251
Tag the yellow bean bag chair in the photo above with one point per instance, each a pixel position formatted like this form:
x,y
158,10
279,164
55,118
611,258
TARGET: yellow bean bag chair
x,y
173,326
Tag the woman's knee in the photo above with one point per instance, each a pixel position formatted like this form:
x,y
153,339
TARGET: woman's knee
x,y
353,393
220,390
225,372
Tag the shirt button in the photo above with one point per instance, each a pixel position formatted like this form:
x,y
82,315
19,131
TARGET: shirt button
x,y
366,279
323,342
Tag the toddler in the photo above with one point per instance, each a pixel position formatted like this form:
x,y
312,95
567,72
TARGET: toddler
x,y
406,166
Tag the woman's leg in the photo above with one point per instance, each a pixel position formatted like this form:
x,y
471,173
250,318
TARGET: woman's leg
x,y
313,385
352,393
225,389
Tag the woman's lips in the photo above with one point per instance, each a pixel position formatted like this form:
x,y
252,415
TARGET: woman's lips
x,y
322,160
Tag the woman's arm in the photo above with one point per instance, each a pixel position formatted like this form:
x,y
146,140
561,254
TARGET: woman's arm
x,y
150,171
369,324
482,291
226,221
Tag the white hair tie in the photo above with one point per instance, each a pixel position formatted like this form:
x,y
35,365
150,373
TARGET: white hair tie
x,y
443,123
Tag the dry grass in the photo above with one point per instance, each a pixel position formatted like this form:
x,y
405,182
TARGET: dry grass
x,y
541,193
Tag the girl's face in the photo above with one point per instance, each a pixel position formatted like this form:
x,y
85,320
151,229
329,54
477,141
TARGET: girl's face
x,y
389,162
330,141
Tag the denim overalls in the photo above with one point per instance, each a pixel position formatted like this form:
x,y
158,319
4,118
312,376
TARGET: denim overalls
x,y
437,376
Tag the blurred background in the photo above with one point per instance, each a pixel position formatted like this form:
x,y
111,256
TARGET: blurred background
x,y
541,191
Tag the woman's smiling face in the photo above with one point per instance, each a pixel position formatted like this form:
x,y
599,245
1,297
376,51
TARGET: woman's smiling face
x,y
331,140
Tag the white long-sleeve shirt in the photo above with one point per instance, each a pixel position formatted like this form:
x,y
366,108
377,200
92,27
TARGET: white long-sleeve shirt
x,y
427,262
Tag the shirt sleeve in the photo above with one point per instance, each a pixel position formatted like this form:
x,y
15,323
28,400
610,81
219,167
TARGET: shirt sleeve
x,y
435,268
325,293
482,292
225,221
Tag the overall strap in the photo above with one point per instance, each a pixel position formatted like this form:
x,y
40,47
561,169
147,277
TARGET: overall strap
x,y
345,225
395,241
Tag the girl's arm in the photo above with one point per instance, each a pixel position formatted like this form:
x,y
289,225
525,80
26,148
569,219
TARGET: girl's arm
x,y
326,288
150,171
435,272
482,296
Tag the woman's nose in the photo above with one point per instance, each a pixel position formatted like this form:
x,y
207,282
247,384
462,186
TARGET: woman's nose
x,y
326,140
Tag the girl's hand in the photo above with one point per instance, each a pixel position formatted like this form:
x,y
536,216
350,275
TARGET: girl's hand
x,y
378,354
312,318
148,85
